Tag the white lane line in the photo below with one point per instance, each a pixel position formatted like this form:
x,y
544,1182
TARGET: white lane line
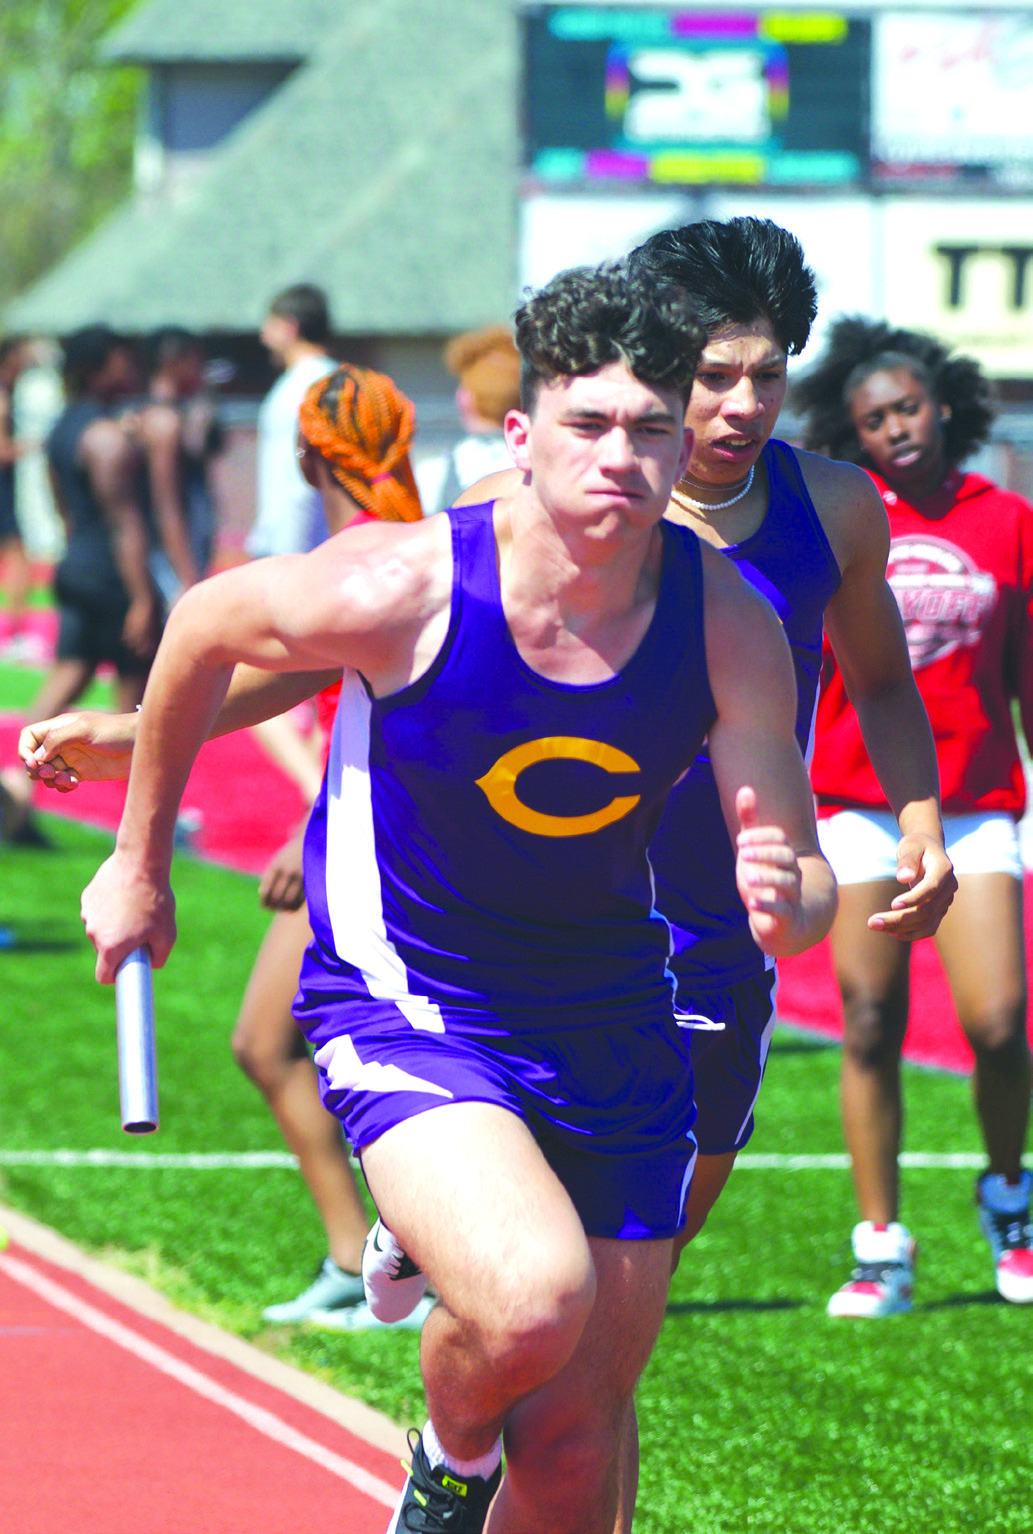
x,y
200,1161
203,1161
840,1162
255,1416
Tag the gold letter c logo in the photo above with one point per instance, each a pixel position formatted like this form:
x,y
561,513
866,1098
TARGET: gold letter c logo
x,y
499,785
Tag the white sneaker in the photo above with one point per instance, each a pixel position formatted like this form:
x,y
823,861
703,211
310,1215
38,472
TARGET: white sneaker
x,y
881,1282
1004,1220
333,1288
394,1284
359,1318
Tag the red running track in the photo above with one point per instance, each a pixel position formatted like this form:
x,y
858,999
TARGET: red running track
x,y
122,1420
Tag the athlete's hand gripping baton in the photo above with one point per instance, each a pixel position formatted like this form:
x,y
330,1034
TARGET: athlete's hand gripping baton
x,y
137,1063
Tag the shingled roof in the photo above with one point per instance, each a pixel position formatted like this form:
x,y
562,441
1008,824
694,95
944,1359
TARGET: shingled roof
x,y
384,168
172,31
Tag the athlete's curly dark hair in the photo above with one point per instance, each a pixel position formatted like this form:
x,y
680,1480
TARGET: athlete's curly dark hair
x,y
737,271
856,348
588,317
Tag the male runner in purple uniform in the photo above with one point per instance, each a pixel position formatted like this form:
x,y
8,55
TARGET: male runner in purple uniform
x,y
494,1016
812,536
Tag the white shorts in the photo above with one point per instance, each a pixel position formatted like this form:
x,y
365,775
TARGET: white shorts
x,y
861,845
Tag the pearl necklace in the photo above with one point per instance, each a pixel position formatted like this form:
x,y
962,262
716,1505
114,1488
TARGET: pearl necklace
x,y
678,494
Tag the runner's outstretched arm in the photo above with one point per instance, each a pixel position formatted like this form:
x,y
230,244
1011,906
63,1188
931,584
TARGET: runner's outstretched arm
x,y
378,605
786,885
865,630
91,745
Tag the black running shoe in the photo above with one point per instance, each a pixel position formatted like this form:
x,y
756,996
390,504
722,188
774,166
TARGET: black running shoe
x,y
440,1502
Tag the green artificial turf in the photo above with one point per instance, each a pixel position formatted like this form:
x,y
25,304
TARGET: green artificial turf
x,y
20,684
757,1412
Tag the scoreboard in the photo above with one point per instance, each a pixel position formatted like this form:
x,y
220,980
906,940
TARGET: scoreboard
x,y
661,96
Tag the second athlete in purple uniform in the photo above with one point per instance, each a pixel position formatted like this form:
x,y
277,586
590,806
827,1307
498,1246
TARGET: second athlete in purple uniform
x,y
812,536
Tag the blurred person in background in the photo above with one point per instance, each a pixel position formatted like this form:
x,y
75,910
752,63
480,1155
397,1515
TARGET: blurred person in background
x,y
109,609
352,440
290,516
961,566
14,561
180,435
487,365
352,444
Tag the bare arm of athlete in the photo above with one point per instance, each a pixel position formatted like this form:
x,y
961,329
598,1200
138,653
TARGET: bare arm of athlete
x,y
785,883
867,636
90,745
162,437
375,599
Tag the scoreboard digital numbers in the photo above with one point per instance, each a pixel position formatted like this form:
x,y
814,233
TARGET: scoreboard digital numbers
x,y
666,97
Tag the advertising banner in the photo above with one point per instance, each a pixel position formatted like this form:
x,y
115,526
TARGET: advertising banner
x,y
964,269
952,98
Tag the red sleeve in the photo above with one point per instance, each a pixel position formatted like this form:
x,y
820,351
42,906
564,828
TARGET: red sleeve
x,y
326,710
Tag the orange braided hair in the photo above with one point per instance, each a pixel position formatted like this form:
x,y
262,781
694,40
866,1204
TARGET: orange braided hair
x,y
362,424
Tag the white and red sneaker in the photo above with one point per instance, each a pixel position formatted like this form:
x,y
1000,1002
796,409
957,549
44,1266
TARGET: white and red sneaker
x,y
883,1277
1004,1220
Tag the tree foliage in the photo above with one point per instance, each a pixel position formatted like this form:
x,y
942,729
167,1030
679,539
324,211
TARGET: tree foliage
x,y
67,124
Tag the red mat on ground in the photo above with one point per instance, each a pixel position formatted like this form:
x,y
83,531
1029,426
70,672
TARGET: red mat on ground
x,y
122,1424
808,996
243,805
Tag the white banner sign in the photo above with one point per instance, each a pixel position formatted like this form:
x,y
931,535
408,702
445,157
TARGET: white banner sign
x,y
953,89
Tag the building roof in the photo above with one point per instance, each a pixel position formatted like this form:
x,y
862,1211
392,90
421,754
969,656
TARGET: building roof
x,y
384,168
173,31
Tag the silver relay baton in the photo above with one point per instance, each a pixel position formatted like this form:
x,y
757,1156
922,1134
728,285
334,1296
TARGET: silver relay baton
x,y
137,1061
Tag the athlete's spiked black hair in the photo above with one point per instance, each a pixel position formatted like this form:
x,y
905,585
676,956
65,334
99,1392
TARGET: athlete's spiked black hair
x,y
857,347
590,316
736,272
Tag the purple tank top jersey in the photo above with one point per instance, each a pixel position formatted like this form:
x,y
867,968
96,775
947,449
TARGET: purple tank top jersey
x,y
479,847
789,560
